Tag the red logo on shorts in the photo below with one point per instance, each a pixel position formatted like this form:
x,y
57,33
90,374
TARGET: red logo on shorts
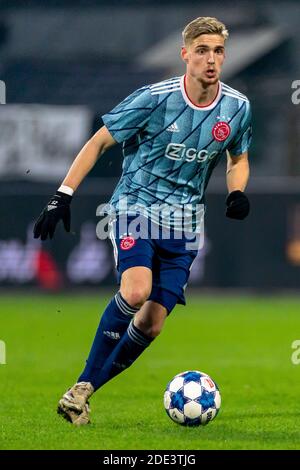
x,y
221,131
127,243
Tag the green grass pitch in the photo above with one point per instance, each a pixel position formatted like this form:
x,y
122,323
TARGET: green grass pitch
x,y
243,343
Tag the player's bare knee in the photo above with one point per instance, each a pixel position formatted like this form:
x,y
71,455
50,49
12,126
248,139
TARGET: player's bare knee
x,y
135,296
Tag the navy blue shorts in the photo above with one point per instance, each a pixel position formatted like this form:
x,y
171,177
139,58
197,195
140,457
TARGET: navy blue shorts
x,y
170,260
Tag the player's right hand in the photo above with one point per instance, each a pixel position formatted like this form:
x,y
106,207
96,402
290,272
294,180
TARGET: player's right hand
x,y
58,208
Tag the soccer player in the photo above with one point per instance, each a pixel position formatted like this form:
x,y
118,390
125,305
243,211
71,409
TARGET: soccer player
x,y
174,133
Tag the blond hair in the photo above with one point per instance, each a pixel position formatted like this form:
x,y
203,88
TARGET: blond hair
x,y
203,25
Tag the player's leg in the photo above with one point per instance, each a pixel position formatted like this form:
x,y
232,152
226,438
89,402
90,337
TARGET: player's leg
x,y
133,262
145,327
113,324
136,285
135,289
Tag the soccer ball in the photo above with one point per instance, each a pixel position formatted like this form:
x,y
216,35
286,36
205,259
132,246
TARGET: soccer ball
x,y
192,398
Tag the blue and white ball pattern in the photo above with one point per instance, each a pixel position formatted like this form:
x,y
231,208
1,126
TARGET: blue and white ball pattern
x,y
192,398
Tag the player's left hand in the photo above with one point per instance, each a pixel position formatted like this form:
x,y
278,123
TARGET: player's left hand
x,y
238,206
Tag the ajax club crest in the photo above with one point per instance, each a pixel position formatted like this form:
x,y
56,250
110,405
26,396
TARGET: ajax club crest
x,y
221,131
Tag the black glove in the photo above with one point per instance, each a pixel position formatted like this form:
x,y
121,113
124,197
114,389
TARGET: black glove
x,y
57,208
238,206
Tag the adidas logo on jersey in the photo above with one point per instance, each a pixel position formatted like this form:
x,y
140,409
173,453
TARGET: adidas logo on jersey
x,y
112,334
173,128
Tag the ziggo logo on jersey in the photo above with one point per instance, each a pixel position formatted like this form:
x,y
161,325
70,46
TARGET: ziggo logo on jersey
x,y
180,152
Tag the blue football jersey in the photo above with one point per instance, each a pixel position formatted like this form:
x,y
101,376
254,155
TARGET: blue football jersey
x,y
171,145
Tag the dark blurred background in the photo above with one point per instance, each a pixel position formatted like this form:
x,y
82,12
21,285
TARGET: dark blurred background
x,y
65,63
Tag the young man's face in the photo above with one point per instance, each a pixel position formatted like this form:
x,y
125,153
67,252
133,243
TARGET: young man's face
x,y
204,58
